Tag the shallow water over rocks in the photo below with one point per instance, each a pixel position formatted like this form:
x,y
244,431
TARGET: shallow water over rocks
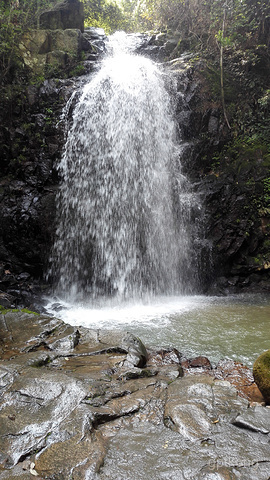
x,y
91,404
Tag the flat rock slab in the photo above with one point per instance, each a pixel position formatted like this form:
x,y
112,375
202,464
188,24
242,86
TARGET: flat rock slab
x,y
87,404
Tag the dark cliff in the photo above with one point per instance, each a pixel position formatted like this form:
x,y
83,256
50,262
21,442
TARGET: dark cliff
x,y
229,166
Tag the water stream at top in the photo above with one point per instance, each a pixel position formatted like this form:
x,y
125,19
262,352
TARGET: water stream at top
x,y
124,206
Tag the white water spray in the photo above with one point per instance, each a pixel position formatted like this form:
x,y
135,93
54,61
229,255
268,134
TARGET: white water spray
x,y
123,206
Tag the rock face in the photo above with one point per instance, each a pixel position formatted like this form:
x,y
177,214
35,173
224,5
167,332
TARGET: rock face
x,y
52,52
74,404
28,184
261,372
66,14
31,138
232,178
230,169
43,49
235,221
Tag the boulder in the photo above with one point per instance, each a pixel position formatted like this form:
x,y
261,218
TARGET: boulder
x,y
67,14
200,362
42,48
136,351
68,41
261,373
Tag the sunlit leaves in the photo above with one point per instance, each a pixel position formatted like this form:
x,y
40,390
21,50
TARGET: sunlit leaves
x,y
16,17
203,20
106,14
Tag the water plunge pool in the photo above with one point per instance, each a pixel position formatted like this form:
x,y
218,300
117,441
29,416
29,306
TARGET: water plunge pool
x,y
236,327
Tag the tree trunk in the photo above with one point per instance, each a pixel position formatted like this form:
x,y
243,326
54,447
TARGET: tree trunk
x,y
222,70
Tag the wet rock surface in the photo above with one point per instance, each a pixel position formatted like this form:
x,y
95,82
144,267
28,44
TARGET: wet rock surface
x,y
91,404
66,14
32,134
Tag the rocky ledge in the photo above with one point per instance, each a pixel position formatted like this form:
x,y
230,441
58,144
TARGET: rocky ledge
x,y
88,404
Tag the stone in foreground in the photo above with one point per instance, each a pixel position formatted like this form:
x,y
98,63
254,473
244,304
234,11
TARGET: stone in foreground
x,y
89,404
261,373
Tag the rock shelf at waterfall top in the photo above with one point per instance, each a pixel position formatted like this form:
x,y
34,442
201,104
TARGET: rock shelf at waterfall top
x,y
79,403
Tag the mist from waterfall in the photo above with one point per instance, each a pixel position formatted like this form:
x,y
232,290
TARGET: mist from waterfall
x,y
124,207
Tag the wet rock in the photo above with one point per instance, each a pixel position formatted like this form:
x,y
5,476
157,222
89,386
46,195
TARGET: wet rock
x,y
188,420
132,406
235,373
38,406
261,372
195,401
23,332
57,307
200,361
69,339
96,38
171,372
137,354
75,457
23,276
134,372
72,405
256,419
213,124
66,14
211,448
164,357
6,300
241,377
167,361
170,45
56,47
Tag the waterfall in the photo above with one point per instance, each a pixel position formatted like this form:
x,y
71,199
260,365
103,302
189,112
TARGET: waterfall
x,y
124,207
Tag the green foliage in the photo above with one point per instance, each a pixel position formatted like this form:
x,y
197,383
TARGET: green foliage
x,y
141,14
201,24
211,74
16,17
266,192
224,41
264,101
106,14
78,70
248,158
26,310
4,310
247,21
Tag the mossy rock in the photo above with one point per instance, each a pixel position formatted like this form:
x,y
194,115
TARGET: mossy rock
x,y
261,373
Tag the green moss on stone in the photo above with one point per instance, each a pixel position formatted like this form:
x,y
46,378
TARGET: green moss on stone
x,y
25,310
77,71
4,310
261,373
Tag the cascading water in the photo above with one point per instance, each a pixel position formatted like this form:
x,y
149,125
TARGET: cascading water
x,y
123,206
128,221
